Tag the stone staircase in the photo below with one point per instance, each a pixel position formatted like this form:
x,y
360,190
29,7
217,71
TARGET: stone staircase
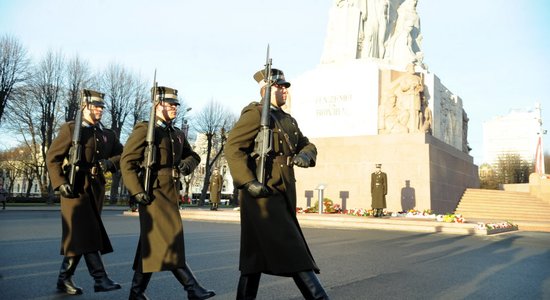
x,y
528,212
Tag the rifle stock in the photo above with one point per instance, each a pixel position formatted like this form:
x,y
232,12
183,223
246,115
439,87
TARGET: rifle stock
x,y
150,149
264,138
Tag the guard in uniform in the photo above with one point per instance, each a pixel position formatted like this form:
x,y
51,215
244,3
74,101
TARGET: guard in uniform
x,y
216,184
161,242
83,233
378,190
272,241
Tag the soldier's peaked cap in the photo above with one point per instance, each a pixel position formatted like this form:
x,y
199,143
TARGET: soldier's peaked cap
x,y
166,94
92,97
277,76
379,165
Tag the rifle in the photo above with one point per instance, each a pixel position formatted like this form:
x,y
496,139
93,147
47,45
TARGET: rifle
x,y
74,151
262,143
150,149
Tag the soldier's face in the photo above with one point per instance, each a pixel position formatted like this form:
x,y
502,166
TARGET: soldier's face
x,y
278,95
93,113
167,111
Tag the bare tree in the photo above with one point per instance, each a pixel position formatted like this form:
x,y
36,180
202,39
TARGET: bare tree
x,y
141,101
123,92
119,86
34,112
212,122
78,77
13,68
511,168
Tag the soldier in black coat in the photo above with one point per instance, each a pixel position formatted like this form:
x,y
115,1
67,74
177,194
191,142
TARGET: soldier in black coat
x,y
83,233
272,241
161,243
378,189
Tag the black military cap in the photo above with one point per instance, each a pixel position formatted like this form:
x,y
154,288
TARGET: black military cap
x,y
92,97
379,165
166,94
277,76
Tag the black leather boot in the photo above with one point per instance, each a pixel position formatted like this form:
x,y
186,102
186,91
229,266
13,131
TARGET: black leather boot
x,y
64,281
139,284
248,286
95,266
309,286
194,289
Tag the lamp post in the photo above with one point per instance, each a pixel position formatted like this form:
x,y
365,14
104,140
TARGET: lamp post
x,y
320,188
184,125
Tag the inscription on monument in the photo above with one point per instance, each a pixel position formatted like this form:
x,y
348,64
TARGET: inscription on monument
x,y
337,105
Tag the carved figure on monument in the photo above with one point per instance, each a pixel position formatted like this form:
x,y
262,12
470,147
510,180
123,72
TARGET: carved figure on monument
x,y
342,31
407,89
373,28
427,117
391,118
404,44
465,145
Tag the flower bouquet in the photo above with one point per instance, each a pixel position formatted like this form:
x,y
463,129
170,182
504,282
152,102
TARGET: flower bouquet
x,y
498,227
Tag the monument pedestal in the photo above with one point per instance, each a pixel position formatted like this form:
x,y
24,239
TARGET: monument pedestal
x,y
423,172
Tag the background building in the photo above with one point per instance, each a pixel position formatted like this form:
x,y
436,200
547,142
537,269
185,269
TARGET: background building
x,y
514,133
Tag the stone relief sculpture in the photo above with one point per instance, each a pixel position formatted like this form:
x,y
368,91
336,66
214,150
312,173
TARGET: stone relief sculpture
x,y
405,93
373,28
427,117
465,145
383,29
342,32
403,46
392,119
408,89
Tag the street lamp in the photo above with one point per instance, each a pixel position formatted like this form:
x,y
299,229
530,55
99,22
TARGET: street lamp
x,y
321,187
184,125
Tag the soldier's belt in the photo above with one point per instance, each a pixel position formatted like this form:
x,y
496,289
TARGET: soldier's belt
x,y
92,169
174,172
283,159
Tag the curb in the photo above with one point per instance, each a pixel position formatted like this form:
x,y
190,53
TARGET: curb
x,y
337,221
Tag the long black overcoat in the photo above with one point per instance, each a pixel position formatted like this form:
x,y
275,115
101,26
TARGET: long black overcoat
x,y
272,241
161,243
379,189
82,227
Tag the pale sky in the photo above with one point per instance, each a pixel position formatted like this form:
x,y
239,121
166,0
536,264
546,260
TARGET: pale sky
x,y
492,53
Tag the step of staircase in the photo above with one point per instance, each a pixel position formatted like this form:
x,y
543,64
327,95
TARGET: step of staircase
x,y
530,213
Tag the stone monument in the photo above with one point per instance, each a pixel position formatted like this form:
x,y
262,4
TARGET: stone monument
x,y
372,100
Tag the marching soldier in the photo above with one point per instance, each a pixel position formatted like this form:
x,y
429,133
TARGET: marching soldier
x,y
378,190
161,242
272,241
83,233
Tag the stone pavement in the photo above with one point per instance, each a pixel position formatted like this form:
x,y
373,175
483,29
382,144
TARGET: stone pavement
x,y
336,221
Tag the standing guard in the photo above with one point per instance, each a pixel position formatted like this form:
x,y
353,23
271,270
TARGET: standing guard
x,y
378,190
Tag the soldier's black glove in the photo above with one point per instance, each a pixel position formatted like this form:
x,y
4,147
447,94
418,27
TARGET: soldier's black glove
x,y
185,168
301,160
256,189
142,198
66,191
107,165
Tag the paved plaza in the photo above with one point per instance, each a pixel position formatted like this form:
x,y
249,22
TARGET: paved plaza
x,y
355,264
